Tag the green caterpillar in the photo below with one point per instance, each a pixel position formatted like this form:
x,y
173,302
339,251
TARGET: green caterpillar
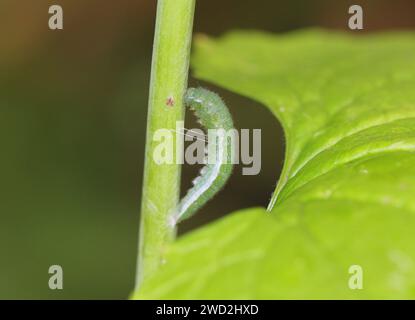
x,y
212,113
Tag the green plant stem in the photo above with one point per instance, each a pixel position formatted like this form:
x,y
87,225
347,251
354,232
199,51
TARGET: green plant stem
x,y
161,185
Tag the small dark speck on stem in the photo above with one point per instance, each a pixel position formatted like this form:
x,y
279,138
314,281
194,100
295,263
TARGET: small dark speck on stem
x,y
170,102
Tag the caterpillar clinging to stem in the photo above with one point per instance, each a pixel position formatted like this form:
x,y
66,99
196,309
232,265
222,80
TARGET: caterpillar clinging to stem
x,y
213,115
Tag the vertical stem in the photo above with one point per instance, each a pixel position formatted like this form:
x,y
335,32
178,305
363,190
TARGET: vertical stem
x,y
161,185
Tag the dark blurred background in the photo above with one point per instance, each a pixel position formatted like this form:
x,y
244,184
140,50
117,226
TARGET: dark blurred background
x,y
72,126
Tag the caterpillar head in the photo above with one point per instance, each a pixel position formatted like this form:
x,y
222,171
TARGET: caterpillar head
x,y
196,96
209,108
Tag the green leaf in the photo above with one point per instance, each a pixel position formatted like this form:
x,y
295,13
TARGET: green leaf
x,y
346,193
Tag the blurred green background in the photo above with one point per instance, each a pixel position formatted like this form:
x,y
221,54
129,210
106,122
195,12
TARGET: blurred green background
x,y
72,125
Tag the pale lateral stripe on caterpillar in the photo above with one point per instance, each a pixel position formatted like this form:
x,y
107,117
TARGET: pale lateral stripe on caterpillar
x,y
212,113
